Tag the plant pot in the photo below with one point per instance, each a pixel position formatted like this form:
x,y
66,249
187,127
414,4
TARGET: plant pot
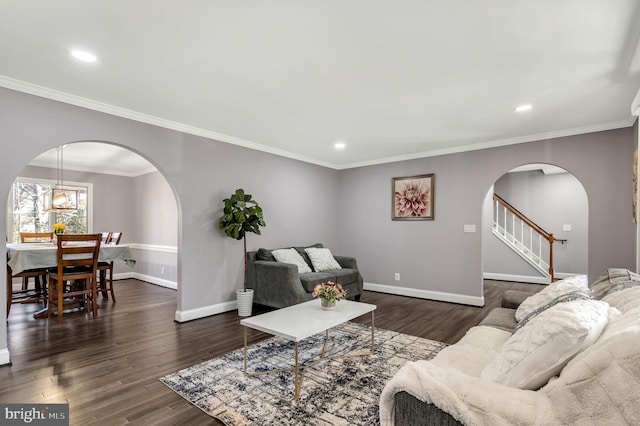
x,y
327,305
245,302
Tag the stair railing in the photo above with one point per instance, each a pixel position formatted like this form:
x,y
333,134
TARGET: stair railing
x,y
509,216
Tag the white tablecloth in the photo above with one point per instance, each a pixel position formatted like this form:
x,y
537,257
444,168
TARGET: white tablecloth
x,y
43,255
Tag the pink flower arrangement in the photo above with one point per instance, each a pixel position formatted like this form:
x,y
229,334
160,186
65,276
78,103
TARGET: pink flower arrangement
x,y
329,291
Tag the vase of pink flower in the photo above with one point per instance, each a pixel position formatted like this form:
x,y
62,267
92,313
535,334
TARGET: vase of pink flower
x,y
329,293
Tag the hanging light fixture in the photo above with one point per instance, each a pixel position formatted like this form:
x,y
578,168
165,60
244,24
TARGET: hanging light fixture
x,y
60,198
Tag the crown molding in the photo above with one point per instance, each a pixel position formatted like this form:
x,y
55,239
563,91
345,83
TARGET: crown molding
x,y
103,171
41,91
495,144
56,95
635,104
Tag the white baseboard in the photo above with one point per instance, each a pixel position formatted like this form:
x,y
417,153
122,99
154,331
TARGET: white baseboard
x,y
205,311
516,278
528,279
426,294
147,278
181,316
5,357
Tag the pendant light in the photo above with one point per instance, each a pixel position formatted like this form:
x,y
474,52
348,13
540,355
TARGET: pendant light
x,y
60,198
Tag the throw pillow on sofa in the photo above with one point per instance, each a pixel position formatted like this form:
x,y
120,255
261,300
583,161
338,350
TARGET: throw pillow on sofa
x,y
541,349
549,293
322,259
612,280
291,256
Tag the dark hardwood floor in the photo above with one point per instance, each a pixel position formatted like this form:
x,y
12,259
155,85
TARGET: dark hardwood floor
x,y
107,369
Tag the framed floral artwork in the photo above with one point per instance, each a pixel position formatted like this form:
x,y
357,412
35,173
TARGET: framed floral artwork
x,y
412,197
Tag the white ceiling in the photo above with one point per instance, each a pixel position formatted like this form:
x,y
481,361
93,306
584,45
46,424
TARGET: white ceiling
x,y
393,80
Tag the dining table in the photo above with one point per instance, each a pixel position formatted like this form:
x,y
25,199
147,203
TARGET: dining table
x,y
25,256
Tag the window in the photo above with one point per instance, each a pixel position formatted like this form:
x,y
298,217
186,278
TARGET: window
x,y
27,214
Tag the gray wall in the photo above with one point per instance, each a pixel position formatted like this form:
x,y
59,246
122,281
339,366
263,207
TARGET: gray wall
x,y
113,198
437,255
298,198
551,201
349,210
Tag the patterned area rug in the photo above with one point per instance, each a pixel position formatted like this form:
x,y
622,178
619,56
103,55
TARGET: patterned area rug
x,y
334,392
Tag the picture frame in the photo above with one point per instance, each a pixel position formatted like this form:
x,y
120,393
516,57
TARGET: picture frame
x,y
413,198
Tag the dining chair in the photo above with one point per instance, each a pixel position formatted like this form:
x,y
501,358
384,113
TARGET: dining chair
x,y
105,237
106,285
26,295
35,237
77,266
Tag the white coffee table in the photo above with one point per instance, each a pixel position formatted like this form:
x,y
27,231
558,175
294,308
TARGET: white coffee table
x,y
301,321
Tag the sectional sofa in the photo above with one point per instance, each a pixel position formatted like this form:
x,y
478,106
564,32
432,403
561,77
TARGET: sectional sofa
x,y
568,355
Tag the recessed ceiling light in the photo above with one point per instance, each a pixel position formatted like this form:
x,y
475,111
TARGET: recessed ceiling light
x,y
84,56
339,145
523,108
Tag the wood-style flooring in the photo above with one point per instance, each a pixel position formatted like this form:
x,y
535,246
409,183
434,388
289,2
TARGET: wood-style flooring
x,y
107,369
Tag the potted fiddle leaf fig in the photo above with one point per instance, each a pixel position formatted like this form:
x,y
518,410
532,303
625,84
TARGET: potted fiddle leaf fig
x,y
242,214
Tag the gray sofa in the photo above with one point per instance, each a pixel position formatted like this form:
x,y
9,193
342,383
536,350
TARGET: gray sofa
x,y
278,285
410,411
598,385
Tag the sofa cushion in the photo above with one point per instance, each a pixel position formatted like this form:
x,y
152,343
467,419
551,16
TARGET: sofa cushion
x,y
540,350
264,254
502,318
291,256
612,280
322,259
345,275
474,351
625,299
310,279
549,293
304,254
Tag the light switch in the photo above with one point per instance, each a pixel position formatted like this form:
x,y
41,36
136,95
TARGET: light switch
x,y
470,228
566,228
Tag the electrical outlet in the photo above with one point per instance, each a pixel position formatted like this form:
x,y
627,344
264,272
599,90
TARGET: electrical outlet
x,y
397,276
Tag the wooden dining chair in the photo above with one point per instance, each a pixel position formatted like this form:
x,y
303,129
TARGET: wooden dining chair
x,y
35,237
106,284
105,237
73,282
26,295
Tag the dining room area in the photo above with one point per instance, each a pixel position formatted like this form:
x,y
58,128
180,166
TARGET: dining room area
x,y
82,218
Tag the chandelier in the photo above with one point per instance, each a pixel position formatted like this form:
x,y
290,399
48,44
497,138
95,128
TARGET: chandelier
x,y
60,198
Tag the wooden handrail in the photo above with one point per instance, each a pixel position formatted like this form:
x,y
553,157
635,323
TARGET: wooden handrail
x,y
546,235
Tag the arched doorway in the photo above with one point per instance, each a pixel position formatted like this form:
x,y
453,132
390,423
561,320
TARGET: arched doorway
x,y
126,193
556,201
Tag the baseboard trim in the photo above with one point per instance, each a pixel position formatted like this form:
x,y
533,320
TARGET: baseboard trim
x,y
146,278
205,311
516,278
426,294
5,357
181,316
527,278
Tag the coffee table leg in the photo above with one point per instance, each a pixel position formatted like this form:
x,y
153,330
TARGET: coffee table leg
x,y
245,351
372,334
297,391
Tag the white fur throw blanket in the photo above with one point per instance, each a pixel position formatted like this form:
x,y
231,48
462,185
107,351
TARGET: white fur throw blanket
x,y
599,386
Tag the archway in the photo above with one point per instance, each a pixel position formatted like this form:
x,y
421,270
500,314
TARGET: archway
x,y
129,195
552,198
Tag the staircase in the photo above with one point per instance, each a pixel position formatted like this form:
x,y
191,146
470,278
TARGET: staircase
x,y
532,243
